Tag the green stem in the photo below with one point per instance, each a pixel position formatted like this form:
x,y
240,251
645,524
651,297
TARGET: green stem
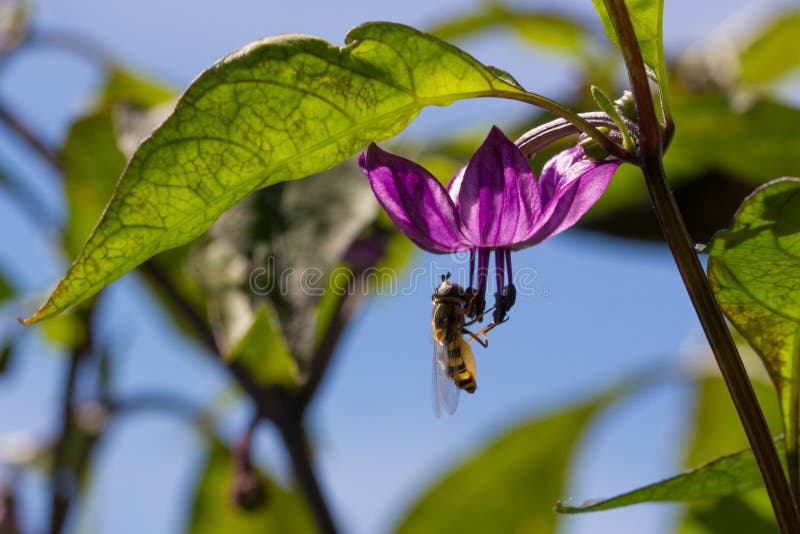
x,y
706,306
294,440
570,116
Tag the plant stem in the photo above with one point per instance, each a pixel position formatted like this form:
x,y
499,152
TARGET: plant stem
x,y
294,440
706,306
570,116
345,310
63,474
33,141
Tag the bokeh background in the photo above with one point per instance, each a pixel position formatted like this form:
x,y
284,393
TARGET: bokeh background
x,y
605,308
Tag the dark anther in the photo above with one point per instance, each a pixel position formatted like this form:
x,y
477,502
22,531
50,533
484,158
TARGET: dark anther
x,y
510,293
503,302
477,304
500,307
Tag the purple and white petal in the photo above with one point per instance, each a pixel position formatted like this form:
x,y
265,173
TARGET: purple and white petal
x,y
414,200
570,184
496,194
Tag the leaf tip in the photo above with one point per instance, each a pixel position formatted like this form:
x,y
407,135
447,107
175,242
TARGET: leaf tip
x,y
29,321
562,507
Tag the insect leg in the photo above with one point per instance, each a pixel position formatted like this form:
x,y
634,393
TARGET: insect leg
x,y
479,317
483,343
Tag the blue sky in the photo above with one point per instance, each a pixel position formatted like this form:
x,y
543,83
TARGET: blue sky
x,y
612,307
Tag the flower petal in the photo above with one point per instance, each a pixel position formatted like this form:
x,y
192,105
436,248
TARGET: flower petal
x,y
496,194
414,200
570,184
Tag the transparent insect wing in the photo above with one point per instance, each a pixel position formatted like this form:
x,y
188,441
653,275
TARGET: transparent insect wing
x,y
445,392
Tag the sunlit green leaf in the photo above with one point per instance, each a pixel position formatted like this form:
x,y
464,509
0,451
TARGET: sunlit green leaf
x,y
214,511
537,27
646,16
93,159
92,156
728,475
263,352
774,52
275,110
508,486
754,269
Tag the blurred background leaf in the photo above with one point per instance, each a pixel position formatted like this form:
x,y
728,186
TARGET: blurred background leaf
x,y
509,485
548,29
716,431
263,353
282,244
215,512
773,52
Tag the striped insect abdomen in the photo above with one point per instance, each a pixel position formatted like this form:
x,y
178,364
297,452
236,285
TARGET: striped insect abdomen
x,y
461,370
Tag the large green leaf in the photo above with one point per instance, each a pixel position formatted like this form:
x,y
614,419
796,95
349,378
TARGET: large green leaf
x,y
774,52
510,485
728,475
754,269
646,16
214,511
278,109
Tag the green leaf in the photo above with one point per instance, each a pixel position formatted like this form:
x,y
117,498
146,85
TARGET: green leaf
x,y
6,354
727,475
508,486
276,110
6,291
646,16
711,129
263,352
717,430
740,514
754,269
67,330
134,89
214,511
774,52
539,28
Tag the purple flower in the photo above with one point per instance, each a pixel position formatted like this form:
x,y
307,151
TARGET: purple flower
x,y
494,203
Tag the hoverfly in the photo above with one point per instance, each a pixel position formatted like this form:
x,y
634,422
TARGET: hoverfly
x,y
453,361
